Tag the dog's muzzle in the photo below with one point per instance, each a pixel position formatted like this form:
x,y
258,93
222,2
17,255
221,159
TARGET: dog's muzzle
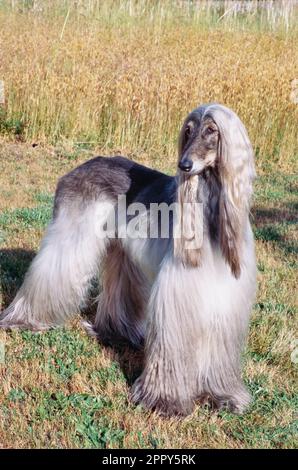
x,y
185,165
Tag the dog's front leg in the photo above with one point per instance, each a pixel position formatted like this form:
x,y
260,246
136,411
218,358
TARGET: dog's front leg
x,y
167,383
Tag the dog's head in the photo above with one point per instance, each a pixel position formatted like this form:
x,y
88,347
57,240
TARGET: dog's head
x,y
198,142
213,137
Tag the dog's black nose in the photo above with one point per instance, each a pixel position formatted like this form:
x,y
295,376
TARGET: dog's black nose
x,y
185,165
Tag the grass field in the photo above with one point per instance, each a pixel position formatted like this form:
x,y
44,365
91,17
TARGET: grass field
x,y
106,80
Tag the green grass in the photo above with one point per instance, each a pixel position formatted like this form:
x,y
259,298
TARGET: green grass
x,y
62,389
25,218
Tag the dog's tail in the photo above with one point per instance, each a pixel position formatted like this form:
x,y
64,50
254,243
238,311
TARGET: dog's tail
x,y
58,279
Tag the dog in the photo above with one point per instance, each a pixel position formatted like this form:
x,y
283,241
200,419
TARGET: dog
x,y
187,297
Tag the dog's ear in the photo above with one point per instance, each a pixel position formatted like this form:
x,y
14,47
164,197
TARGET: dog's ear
x,y
235,161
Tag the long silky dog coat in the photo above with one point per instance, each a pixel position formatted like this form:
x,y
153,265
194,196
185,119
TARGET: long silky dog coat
x,y
190,306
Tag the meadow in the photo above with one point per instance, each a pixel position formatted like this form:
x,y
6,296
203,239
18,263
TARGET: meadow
x,y
84,78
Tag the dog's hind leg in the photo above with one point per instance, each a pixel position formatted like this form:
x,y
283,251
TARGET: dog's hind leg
x,y
58,279
122,302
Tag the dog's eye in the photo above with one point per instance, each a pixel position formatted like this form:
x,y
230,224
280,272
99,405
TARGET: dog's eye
x,y
210,130
188,131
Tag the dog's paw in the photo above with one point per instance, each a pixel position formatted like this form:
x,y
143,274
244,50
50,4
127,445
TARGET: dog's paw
x,y
173,408
235,403
240,401
164,406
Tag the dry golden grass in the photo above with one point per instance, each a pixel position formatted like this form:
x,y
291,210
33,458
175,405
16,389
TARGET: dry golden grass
x,y
126,82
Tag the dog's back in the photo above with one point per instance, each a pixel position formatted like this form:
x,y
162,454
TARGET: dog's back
x,y
113,176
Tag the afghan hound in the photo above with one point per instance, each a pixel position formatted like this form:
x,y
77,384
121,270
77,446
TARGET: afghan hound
x,y
187,297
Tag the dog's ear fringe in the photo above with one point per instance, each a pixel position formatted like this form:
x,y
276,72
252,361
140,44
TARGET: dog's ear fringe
x,y
230,235
236,174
